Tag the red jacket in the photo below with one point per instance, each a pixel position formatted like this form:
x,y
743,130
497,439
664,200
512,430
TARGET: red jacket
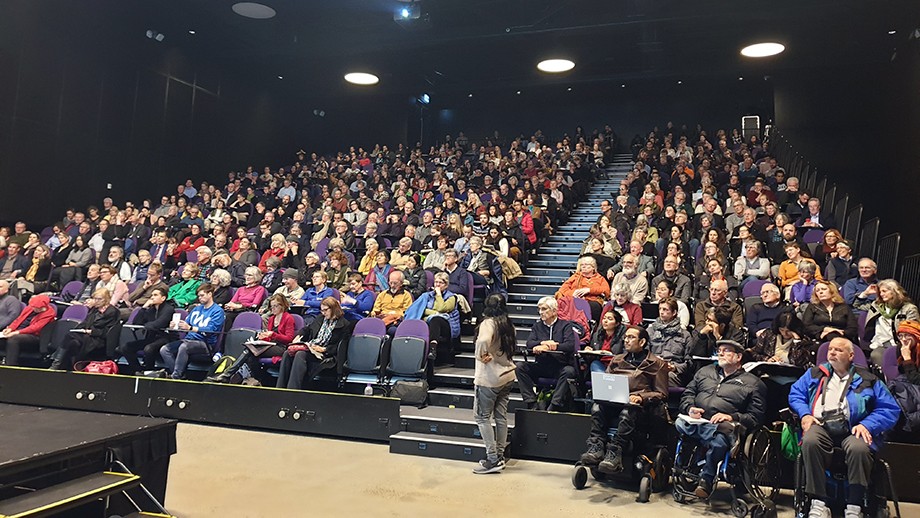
x,y
271,252
527,226
285,332
38,323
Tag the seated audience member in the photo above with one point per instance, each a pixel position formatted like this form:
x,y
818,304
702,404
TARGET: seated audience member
x,y
631,312
646,413
315,348
117,288
249,296
271,280
632,277
246,252
586,284
358,302
717,324
845,405
665,289
801,290
279,329
607,336
682,285
184,292
141,294
391,305
22,334
814,217
77,346
459,278
440,309
434,261
14,263
370,256
416,278
547,336
718,298
671,342
220,279
827,316
277,249
313,297
155,315
116,259
789,269
715,271
638,260
906,387
827,248
10,307
78,259
289,287
379,275
761,315
202,326
751,266
727,396
841,266
85,292
892,307
862,290
784,341
398,256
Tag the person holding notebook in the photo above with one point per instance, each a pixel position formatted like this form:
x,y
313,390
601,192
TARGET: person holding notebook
x,y
645,412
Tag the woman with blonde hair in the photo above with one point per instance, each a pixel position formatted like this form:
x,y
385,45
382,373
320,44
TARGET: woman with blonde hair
x,y
370,256
892,307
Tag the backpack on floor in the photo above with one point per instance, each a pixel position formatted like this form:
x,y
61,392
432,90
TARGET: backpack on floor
x,y
222,364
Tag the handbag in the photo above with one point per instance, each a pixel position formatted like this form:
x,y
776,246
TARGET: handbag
x,y
835,422
106,367
413,393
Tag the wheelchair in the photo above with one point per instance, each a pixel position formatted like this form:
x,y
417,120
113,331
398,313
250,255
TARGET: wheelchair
x,y
750,467
875,504
645,461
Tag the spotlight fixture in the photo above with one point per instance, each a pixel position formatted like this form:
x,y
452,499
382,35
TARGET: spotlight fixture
x,y
680,82
740,78
253,10
424,99
191,32
569,89
762,50
280,77
407,10
361,78
555,66
518,92
154,35
892,32
623,85
470,96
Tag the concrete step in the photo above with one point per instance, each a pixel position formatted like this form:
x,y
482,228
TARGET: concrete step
x,y
463,398
562,262
436,420
525,297
560,273
438,446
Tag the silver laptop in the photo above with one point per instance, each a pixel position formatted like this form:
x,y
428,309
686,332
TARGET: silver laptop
x,y
613,388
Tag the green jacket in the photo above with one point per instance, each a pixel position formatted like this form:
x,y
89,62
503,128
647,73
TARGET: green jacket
x,y
184,293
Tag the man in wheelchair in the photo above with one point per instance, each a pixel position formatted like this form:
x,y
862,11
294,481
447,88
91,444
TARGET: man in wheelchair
x,y
841,405
719,404
646,412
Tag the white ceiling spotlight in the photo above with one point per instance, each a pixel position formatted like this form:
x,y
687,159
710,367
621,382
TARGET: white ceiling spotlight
x,y
361,78
253,10
555,66
763,50
154,35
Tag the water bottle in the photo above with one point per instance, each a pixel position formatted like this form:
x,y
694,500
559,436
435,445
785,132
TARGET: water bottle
x,y
217,356
368,390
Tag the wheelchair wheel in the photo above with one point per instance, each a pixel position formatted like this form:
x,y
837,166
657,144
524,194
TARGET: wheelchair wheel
x,y
740,508
580,477
679,497
767,509
762,465
645,489
662,469
882,511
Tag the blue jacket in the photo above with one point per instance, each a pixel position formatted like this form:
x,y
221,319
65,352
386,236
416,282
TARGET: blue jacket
x,y
364,303
869,401
426,301
312,299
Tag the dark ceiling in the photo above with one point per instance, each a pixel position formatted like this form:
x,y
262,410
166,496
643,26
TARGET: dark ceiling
x,y
461,46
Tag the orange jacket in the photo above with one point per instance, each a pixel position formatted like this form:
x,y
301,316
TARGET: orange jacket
x,y
600,290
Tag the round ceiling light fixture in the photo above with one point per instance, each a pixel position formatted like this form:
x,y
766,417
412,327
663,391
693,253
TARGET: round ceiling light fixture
x,y
361,78
555,66
254,10
762,50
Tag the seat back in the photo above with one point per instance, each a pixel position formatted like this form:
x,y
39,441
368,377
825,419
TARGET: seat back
x,y
322,247
583,306
813,236
71,289
859,357
890,364
76,313
409,349
752,288
191,256
130,334
298,322
244,327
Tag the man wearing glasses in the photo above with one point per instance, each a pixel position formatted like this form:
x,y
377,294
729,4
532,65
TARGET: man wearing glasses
x,y
720,397
202,326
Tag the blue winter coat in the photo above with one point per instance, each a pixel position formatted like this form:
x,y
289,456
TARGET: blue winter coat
x,y
868,399
426,301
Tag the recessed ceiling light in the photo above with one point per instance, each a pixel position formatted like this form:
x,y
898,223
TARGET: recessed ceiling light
x,y
471,95
361,78
623,86
762,50
569,89
254,10
555,66
892,32
280,77
518,92
191,32
740,78
680,82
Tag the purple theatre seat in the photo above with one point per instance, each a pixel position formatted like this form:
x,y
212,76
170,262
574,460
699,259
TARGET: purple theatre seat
x,y
350,257
71,289
859,357
813,236
244,327
861,328
583,306
76,312
890,364
191,256
430,278
408,356
322,247
752,289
